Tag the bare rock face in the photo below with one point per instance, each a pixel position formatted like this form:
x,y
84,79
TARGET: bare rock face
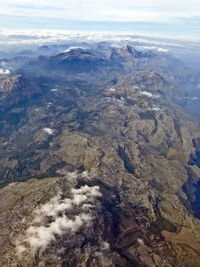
x,y
14,89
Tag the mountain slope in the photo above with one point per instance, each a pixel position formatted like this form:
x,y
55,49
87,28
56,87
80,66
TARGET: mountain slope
x,y
16,88
100,173
135,144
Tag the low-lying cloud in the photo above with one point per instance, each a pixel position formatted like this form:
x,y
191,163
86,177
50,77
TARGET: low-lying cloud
x,y
148,94
49,130
65,215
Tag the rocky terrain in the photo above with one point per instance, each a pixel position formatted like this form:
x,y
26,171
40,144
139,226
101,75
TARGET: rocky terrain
x,y
98,172
15,89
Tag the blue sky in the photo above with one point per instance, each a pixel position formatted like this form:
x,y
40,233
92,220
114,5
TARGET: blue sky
x,y
172,17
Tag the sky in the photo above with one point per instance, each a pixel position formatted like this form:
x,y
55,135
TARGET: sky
x,y
171,17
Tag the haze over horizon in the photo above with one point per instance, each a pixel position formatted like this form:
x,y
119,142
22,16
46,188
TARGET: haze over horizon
x,y
170,18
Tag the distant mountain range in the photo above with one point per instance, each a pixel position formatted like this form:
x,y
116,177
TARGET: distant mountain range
x,y
114,62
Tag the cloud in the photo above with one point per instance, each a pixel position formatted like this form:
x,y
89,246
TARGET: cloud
x,y
67,215
154,109
4,71
148,94
72,48
156,42
158,49
144,93
162,50
40,237
141,16
49,130
90,10
30,38
112,89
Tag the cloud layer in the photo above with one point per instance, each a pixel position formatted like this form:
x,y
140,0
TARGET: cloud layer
x,y
179,17
26,38
89,10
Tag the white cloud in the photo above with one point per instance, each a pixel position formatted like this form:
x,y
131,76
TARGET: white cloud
x,y
145,93
49,130
158,49
148,94
71,48
61,211
155,42
19,38
162,50
154,109
104,10
42,236
195,98
4,71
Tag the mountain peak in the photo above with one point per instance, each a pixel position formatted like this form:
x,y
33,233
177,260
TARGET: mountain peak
x,y
74,53
125,52
130,50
